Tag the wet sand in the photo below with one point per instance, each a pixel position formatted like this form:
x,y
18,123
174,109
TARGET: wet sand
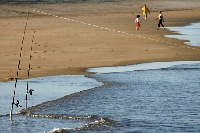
x,y
70,38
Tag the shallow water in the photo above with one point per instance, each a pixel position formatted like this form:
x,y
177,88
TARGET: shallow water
x,y
165,99
45,89
190,33
137,67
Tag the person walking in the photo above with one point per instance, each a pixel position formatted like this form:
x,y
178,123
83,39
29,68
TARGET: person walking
x,y
145,11
137,22
160,19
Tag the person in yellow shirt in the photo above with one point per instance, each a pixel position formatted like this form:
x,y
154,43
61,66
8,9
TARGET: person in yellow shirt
x,y
145,11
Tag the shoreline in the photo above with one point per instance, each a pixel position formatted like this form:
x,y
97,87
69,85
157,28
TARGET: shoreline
x,y
140,67
76,47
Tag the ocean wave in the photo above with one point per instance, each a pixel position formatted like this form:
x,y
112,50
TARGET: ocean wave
x,y
101,124
96,123
56,116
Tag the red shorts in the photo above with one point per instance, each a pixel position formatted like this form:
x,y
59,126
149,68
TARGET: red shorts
x,y
137,24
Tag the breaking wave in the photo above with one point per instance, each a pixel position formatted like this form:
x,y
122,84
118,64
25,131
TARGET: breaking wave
x,y
101,124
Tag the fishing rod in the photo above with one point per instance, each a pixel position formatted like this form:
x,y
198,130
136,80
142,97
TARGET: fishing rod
x,y
16,79
30,91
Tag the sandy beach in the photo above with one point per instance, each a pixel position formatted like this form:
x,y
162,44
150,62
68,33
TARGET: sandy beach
x,y
68,38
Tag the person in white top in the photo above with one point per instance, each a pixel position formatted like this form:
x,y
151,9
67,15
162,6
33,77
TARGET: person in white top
x,y
161,20
137,22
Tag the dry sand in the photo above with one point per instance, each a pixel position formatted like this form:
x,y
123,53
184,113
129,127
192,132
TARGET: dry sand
x,y
96,35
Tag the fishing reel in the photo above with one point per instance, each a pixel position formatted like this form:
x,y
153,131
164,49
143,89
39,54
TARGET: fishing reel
x,y
30,91
16,103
